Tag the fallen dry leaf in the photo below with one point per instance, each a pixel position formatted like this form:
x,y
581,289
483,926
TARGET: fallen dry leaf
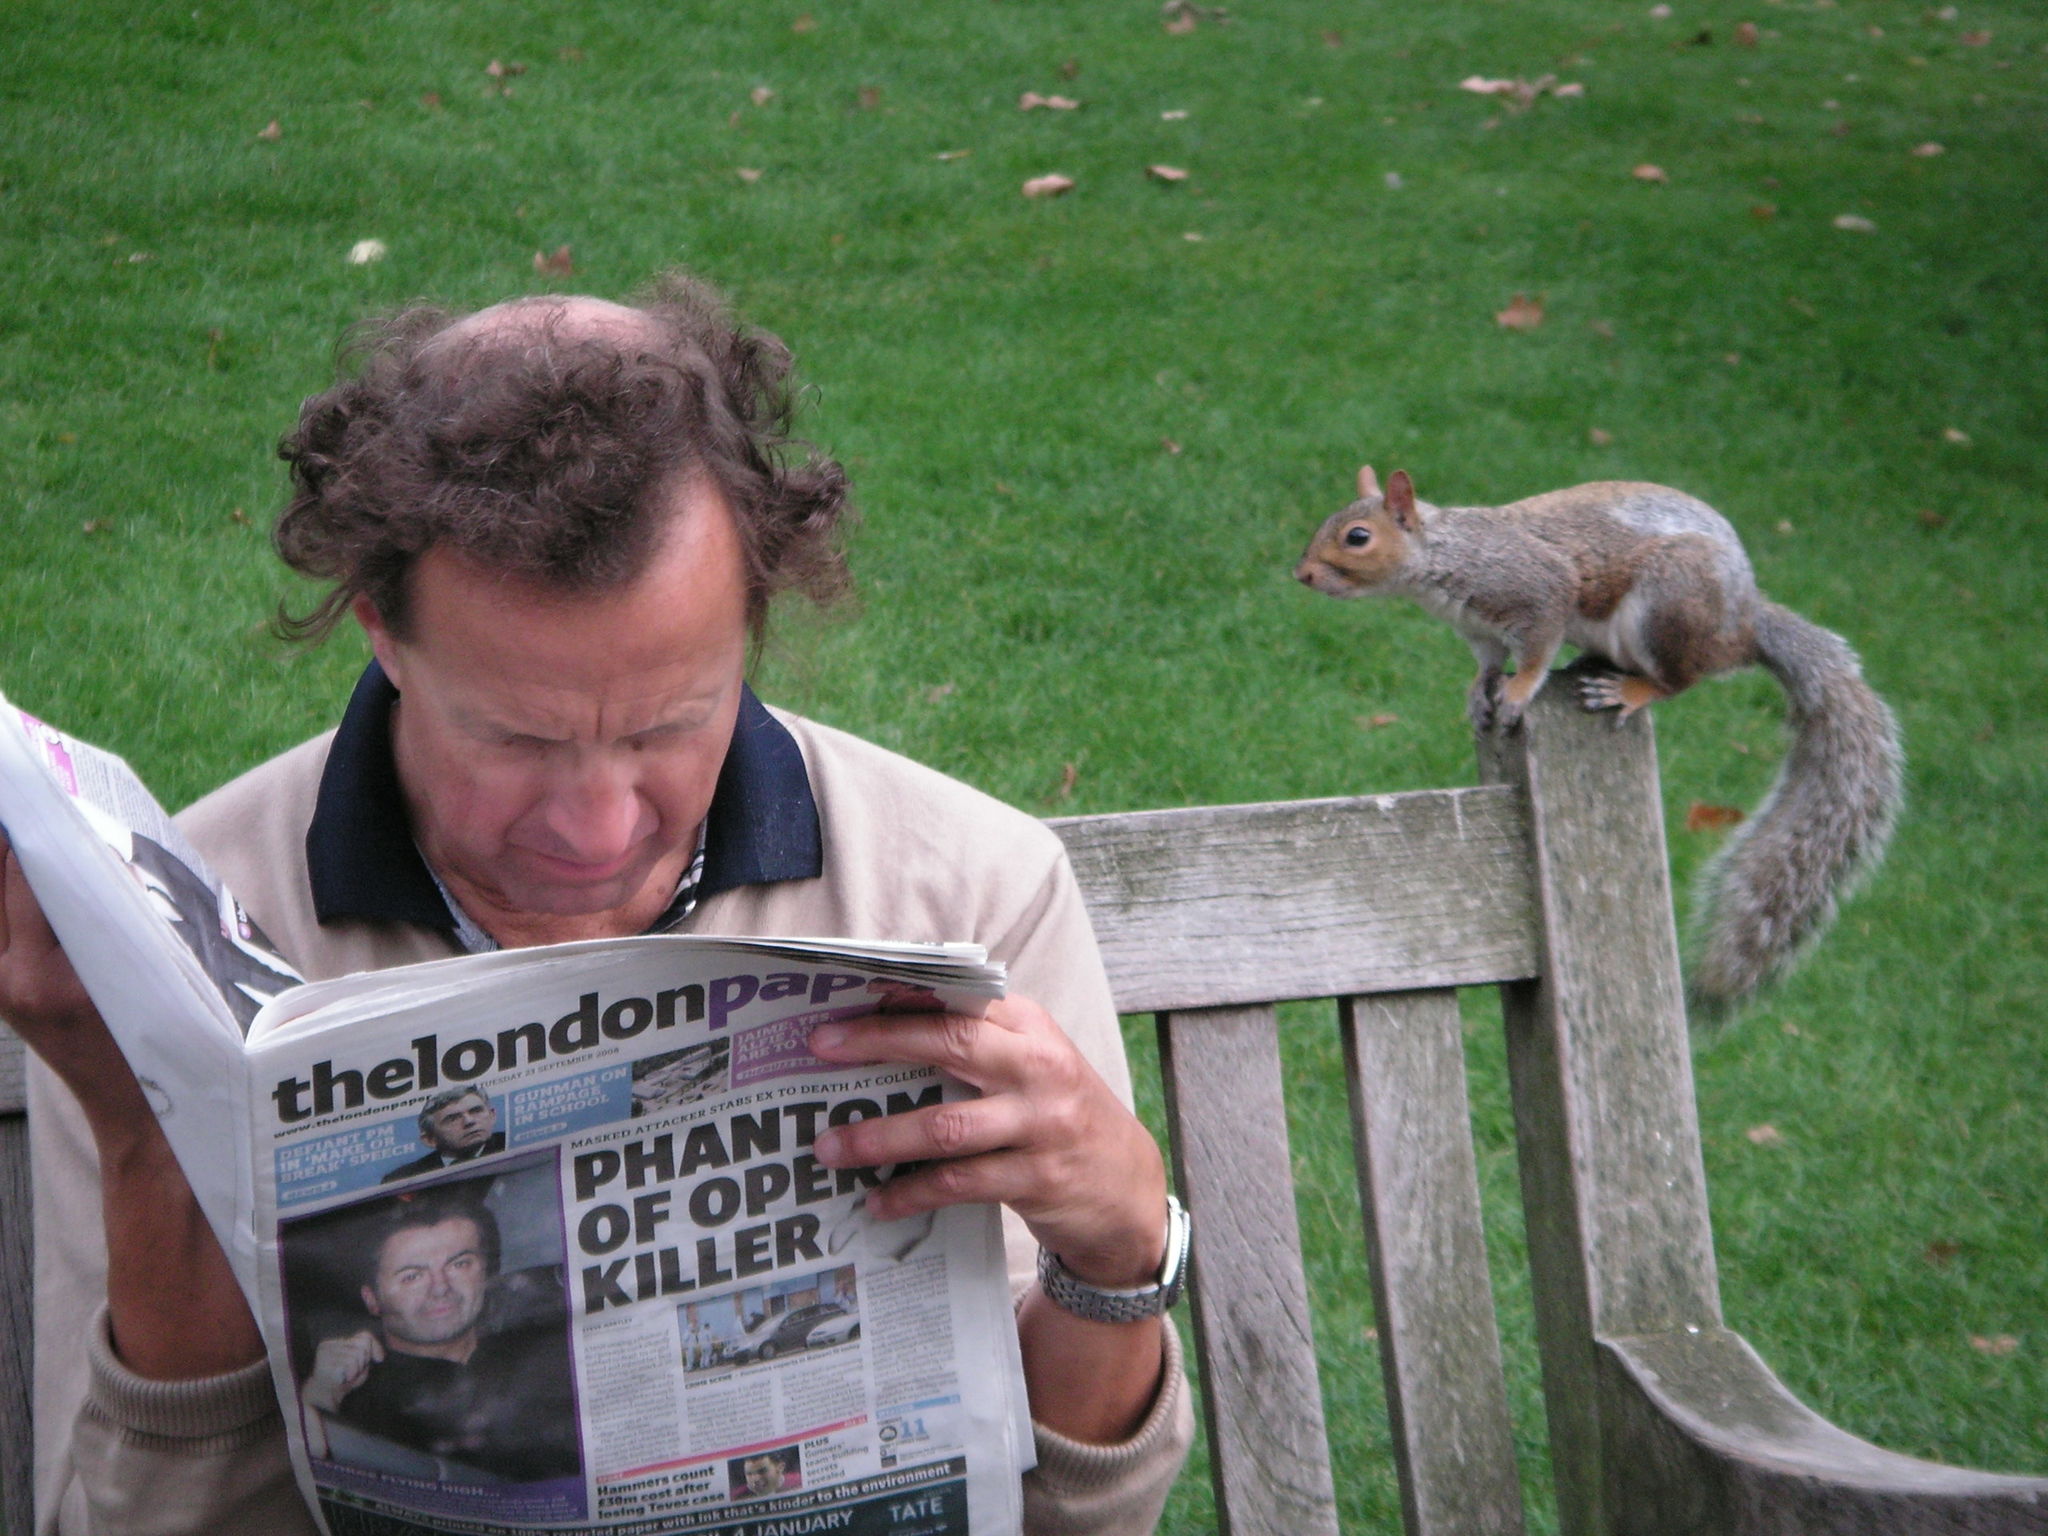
x,y
1649,173
1783,526
498,69
1174,116
939,691
137,258
953,154
761,95
1928,150
1855,223
1702,817
431,100
1051,185
1660,12
569,55
1069,777
96,525
870,97
1031,101
363,252
1955,435
1765,1135
1333,38
1522,314
1378,722
1194,235
804,23
1570,88
1599,437
270,132
1929,518
1069,68
240,516
1745,34
747,173
556,263
1170,446
1974,39
1393,181
1166,173
1942,1253
1182,22
1995,1344
1763,210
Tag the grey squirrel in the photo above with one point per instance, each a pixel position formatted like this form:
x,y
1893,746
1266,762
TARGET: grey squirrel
x,y
1654,585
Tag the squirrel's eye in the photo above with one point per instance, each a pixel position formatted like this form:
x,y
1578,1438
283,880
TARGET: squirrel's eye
x,y
1357,537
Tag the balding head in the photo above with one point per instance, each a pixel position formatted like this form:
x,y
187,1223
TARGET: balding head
x,y
546,437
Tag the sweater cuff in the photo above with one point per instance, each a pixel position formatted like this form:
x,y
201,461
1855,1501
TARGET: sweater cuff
x,y
1078,1467
220,1409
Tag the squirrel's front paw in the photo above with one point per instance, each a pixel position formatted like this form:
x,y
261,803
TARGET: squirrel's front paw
x,y
1600,690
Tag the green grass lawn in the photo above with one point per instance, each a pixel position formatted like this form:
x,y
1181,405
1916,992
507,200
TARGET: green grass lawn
x,y
1091,433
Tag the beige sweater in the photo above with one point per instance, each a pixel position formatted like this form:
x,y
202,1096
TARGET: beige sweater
x,y
908,854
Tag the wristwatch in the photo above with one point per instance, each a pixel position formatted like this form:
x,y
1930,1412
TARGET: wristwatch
x,y
1100,1305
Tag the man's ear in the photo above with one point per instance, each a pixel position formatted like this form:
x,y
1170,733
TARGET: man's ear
x,y
1368,485
370,1304
383,644
1401,502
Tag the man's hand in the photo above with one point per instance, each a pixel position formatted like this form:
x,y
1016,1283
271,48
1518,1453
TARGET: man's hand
x,y
43,999
1047,1137
339,1367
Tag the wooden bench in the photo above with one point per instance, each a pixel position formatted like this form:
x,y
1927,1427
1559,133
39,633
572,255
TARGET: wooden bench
x,y
1548,881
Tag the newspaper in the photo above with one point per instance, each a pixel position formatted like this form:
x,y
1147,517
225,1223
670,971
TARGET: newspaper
x,y
536,1238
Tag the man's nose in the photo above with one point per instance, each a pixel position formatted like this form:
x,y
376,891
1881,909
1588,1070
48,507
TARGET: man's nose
x,y
596,814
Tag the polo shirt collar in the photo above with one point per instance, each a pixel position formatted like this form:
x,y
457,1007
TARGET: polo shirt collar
x,y
360,854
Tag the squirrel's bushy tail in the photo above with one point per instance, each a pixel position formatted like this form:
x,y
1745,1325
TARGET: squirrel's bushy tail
x,y
1772,890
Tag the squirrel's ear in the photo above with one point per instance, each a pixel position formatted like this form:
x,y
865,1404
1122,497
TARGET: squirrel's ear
x,y
1401,501
1368,482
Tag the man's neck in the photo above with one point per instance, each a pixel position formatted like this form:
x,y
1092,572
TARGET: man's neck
x,y
456,1350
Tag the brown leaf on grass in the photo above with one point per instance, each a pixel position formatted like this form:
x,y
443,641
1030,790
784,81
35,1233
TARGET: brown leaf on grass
x,y
953,154
1929,518
1745,34
1166,173
939,691
1180,23
760,95
1995,1345
431,100
240,516
1599,437
96,525
1765,1136
1974,39
1069,68
1955,435
569,55
1660,13
1928,150
1378,722
363,252
1522,314
498,69
1941,1253
270,132
870,97
1069,777
1172,448
1647,172
1763,211
747,173
1702,817
1031,101
1855,223
804,23
1050,185
556,263
1519,94
1333,38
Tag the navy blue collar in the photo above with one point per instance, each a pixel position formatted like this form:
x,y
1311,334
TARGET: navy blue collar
x,y
763,825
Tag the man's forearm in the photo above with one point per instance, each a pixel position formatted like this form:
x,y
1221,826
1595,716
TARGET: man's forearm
x,y
173,1306
1093,1382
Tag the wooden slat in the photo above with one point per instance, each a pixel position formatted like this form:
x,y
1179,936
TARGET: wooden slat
x,y
17,1265
1601,1071
1454,1446
1269,1455
13,1073
1227,905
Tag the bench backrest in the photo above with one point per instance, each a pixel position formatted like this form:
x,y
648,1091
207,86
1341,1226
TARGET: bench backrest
x,y
1549,881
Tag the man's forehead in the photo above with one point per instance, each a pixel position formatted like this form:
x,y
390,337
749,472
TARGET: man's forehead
x,y
564,318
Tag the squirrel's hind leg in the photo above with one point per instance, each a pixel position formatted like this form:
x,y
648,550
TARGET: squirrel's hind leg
x,y
1602,687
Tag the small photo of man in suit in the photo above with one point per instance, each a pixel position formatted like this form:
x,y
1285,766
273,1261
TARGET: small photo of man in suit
x,y
456,1125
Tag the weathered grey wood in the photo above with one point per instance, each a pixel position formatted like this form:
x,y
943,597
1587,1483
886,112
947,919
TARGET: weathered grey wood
x,y
1608,1136
13,1073
1222,905
1404,1056
1709,1442
17,1260
1269,1455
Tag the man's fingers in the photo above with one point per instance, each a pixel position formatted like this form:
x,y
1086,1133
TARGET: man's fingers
x,y
961,1129
994,1178
1002,1050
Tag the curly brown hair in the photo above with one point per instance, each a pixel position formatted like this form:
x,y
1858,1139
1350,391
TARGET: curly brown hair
x,y
547,450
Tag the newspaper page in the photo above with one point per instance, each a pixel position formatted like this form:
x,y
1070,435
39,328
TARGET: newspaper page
x,y
172,960
549,1249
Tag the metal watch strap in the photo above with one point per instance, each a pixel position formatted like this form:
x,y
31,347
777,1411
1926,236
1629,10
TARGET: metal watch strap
x,y
1100,1305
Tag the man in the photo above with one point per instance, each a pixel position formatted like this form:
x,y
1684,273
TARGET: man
x,y
427,1375
456,1125
560,522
